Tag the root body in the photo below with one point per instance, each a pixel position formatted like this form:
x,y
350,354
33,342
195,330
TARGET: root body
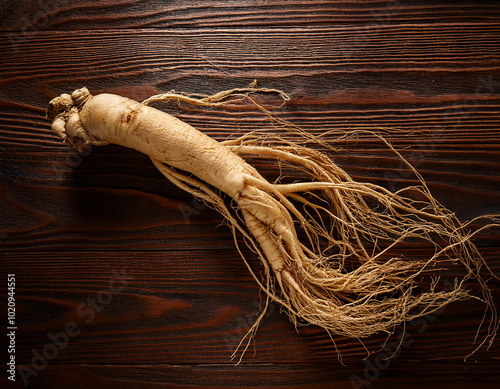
x,y
333,249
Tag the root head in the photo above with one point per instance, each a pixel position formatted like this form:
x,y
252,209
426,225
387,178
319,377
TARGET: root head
x,y
63,111
59,105
63,104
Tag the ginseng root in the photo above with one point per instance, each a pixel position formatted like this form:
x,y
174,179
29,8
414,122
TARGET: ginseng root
x,y
330,247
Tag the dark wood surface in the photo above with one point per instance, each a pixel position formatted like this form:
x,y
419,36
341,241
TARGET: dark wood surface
x,y
70,223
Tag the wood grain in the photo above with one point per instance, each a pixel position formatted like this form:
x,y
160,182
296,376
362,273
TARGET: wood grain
x,y
244,376
115,198
176,310
427,70
195,14
183,307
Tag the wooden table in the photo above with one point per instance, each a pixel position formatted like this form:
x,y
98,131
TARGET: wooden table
x,y
124,281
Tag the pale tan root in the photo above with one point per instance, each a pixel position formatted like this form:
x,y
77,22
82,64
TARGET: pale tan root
x,y
334,250
223,98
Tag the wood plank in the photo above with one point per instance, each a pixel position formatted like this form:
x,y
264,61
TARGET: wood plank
x,y
96,210
178,307
452,109
406,60
479,375
116,199
69,222
77,15
333,84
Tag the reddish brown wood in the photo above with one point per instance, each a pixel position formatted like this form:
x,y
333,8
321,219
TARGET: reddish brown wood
x,y
183,307
297,376
125,14
430,70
